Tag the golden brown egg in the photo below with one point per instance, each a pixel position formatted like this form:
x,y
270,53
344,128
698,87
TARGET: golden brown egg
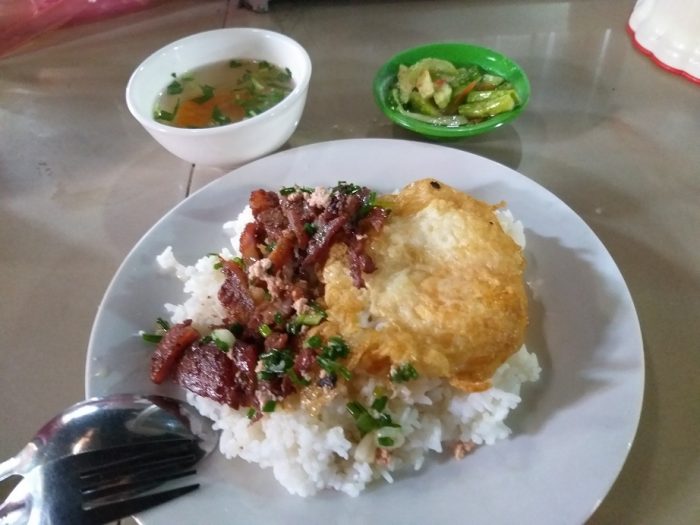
x,y
447,296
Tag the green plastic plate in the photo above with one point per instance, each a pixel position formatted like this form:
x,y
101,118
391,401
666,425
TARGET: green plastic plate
x,y
460,55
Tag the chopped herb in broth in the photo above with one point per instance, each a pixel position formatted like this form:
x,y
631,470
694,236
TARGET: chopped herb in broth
x,y
222,93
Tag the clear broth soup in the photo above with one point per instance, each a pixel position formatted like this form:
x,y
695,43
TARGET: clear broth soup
x,y
222,93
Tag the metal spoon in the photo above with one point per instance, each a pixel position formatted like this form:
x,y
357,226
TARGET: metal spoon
x,y
111,421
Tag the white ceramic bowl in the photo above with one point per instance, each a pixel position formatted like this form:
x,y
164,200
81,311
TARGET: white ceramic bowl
x,y
232,144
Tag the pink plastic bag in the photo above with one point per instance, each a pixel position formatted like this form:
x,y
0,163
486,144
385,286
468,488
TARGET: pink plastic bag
x,y
23,20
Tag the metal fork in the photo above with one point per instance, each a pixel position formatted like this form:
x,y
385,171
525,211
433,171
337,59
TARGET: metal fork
x,y
101,486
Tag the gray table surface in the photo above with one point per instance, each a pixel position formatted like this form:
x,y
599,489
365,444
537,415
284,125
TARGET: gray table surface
x,y
607,131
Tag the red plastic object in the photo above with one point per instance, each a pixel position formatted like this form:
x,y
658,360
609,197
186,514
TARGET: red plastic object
x,y
656,60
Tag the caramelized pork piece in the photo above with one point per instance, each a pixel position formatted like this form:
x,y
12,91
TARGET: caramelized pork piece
x,y
170,349
235,294
207,371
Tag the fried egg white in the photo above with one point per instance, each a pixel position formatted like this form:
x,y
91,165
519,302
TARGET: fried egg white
x,y
447,296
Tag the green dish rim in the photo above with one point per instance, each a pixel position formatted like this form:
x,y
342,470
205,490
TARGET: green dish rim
x,y
460,54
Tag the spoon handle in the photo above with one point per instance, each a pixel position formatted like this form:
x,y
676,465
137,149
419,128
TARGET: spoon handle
x,y
9,467
16,508
22,463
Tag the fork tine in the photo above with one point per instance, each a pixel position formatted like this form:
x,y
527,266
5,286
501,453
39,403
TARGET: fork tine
x,y
96,460
122,509
137,465
130,486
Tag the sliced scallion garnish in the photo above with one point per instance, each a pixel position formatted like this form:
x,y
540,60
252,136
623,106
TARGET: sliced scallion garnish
x,y
151,338
223,339
315,341
265,330
403,372
296,379
365,421
385,441
174,88
218,117
207,94
310,228
379,404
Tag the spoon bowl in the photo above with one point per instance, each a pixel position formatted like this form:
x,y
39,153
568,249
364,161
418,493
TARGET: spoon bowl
x,y
105,422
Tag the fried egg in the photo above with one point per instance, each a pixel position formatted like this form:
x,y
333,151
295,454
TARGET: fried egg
x,y
447,294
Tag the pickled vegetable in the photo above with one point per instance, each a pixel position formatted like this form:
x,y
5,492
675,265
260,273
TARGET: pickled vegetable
x,y
436,91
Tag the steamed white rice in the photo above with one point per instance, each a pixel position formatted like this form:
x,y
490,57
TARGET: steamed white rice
x,y
308,453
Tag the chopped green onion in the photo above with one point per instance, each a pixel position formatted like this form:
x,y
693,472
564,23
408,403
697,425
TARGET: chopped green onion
x,y
151,338
333,367
296,379
269,406
174,88
315,341
368,205
379,403
265,330
336,348
390,437
344,372
257,86
293,328
161,114
251,413
355,409
403,372
310,228
223,338
207,94
218,264
218,117
155,338
312,317
346,188
385,421
275,363
278,318
236,329
366,423
288,190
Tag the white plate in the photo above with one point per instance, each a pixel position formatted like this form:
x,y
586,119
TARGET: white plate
x,y
572,432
